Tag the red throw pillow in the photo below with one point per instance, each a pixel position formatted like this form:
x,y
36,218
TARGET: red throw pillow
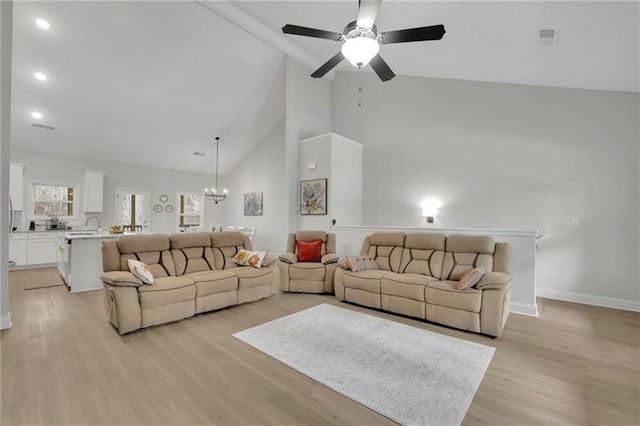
x,y
309,251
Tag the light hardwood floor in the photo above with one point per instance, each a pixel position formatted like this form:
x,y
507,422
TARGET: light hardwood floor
x,y
63,363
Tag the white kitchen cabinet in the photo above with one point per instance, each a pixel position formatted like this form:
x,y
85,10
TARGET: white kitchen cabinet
x,y
16,185
42,248
93,191
18,249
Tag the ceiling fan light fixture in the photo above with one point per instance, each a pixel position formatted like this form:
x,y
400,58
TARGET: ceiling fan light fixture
x,y
360,50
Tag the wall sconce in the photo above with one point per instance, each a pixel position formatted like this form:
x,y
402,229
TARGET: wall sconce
x,y
430,209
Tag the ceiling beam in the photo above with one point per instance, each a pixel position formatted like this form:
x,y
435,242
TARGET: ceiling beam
x,y
231,13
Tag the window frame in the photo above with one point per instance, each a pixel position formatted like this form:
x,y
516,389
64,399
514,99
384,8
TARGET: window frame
x,y
32,202
179,215
117,205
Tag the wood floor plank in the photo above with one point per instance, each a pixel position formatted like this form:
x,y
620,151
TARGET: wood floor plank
x,y
63,363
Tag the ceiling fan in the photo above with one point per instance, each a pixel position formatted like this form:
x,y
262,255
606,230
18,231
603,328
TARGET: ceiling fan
x,y
361,40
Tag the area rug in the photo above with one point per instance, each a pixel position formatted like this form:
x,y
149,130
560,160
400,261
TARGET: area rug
x,y
410,375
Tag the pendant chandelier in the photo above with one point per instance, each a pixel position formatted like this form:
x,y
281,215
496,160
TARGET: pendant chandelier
x,y
212,194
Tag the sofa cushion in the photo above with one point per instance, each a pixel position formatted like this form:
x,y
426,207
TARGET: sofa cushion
x,y
410,286
309,251
364,280
226,239
425,241
129,244
446,293
186,240
386,248
251,277
159,262
387,239
470,244
165,291
211,282
191,252
310,271
225,245
152,249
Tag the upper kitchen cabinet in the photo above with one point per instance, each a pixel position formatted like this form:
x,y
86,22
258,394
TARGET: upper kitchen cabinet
x,y
93,191
16,185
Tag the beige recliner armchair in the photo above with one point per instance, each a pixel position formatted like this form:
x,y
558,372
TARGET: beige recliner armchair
x,y
308,277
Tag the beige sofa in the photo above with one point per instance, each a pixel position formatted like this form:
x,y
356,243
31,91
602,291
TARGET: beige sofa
x,y
308,277
418,277
193,273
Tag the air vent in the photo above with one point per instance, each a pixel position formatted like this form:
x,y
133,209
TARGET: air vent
x,y
44,126
548,36
199,154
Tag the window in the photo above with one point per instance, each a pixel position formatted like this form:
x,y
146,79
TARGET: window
x,y
132,209
190,210
53,200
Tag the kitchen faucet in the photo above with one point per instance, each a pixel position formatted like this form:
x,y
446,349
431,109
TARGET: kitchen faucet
x,y
86,222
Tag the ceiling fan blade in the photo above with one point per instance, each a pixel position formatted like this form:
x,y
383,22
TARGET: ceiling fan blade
x,y
381,68
434,32
311,32
328,66
367,11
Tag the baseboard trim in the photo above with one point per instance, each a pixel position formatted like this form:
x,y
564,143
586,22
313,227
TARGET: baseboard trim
x,y
588,299
524,309
5,321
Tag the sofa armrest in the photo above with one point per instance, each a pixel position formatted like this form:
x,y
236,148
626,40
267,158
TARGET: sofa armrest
x,y
121,279
342,264
329,258
288,258
494,280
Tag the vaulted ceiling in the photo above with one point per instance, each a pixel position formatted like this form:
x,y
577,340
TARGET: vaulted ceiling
x,y
144,83
151,82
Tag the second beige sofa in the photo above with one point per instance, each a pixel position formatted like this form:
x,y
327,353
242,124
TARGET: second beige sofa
x,y
418,276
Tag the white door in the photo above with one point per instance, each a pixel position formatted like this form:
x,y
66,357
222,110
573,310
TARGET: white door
x,y
132,209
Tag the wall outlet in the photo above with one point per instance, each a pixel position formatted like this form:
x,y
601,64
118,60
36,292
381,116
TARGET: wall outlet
x,y
575,222
312,166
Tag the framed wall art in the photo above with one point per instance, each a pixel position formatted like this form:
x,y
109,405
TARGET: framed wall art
x,y
253,203
313,197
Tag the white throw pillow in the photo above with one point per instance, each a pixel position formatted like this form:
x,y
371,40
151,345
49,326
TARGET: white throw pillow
x,y
249,258
361,263
141,270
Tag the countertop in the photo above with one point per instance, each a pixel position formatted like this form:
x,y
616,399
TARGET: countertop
x,y
103,235
28,231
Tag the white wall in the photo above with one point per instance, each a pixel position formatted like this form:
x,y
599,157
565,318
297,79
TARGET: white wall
x,y
262,170
507,157
346,188
339,160
317,150
47,167
308,113
6,39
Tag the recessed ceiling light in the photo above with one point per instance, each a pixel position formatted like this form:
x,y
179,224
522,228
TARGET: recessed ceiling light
x,y
42,24
40,76
36,115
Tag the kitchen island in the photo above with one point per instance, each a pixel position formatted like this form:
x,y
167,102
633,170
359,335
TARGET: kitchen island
x,y
80,259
